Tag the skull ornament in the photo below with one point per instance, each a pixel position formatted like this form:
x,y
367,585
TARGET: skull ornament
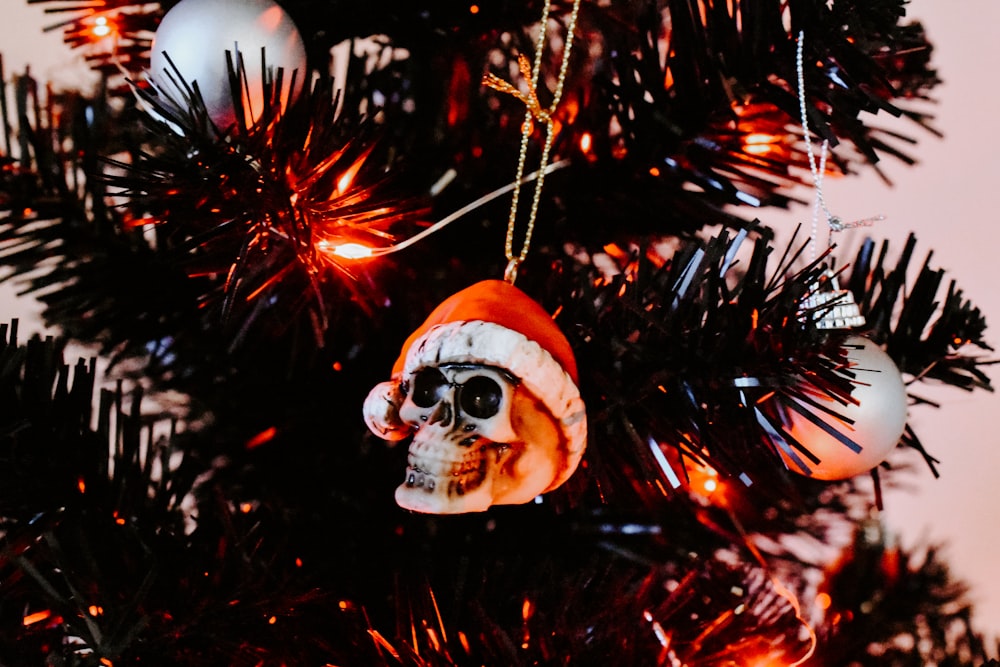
x,y
495,416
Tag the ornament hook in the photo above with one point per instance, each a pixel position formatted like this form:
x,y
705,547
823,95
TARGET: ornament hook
x,y
510,273
533,112
834,223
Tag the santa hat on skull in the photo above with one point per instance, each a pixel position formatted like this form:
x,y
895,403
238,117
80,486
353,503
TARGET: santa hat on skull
x,y
491,323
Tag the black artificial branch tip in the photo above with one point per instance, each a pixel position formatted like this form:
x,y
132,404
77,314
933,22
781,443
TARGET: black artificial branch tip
x,y
702,357
114,35
690,351
116,545
698,109
264,531
44,400
273,200
885,598
237,228
928,334
557,615
707,96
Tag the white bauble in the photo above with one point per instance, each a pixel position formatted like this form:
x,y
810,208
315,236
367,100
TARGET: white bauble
x,y
879,418
196,35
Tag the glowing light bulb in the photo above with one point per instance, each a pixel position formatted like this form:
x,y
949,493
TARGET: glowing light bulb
x,y
344,181
758,143
101,27
36,617
759,138
352,251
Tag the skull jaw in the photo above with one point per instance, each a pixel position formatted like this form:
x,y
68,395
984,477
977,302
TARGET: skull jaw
x,y
472,491
509,475
441,479
439,500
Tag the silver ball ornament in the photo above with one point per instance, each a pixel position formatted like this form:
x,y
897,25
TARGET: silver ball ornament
x,y
196,34
879,418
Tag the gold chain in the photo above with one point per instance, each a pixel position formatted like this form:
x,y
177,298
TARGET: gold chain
x,y
533,112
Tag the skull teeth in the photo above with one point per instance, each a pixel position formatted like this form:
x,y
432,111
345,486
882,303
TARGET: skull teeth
x,y
463,476
419,479
447,467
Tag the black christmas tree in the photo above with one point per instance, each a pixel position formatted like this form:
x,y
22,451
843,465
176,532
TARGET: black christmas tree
x,y
249,222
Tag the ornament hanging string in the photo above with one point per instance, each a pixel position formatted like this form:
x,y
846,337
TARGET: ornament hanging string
x,y
534,112
834,223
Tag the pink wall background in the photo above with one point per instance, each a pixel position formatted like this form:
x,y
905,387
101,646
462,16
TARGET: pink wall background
x,y
947,200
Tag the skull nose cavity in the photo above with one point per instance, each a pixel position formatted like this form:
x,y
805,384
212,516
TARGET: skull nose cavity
x,y
441,414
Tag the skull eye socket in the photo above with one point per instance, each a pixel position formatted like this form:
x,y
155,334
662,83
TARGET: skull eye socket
x,y
480,397
429,385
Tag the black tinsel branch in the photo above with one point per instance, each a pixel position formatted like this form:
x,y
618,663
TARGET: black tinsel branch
x,y
115,548
702,99
895,606
262,210
701,610
41,403
235,229
236,219
682,355
214,546
927,333
687,362
706,97
115,34
152,555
